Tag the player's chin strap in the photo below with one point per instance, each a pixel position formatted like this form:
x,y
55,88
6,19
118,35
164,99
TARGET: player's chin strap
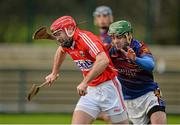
x,y
128,37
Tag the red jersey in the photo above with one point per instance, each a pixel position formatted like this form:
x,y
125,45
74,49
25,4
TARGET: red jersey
x,y
86,46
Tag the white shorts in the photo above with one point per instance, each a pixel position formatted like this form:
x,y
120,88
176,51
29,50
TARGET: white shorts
x,y
106,97
139,108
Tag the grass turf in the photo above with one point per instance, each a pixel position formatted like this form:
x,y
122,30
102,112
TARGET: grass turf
x,y
55,119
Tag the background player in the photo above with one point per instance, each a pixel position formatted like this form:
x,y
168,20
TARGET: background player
x,y
135,64
102,19
99,90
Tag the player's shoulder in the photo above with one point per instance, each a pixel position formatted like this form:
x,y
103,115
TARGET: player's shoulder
x,y
88,40
87,33
136,44
88,37
141,48
143,44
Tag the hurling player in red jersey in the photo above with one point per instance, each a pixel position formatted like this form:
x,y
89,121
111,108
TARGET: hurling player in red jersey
x,y
100,89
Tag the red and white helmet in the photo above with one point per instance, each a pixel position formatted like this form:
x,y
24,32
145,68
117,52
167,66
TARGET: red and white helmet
x,y
65,23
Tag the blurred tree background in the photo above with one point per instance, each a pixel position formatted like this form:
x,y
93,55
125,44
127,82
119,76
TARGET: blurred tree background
x,y
155,21
24,61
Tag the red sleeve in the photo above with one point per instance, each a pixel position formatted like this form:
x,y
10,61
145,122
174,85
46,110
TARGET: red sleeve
x,y
93,44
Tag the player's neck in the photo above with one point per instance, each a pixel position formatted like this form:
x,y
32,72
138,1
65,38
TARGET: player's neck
x,y
103,30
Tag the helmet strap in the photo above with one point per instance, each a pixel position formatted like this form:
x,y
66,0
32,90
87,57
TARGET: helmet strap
x,y
69,33
128,37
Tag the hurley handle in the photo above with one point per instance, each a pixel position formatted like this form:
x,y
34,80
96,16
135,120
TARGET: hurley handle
x,y
44,83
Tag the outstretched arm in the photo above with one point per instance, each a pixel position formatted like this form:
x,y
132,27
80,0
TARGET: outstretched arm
x,y
58,59
145,62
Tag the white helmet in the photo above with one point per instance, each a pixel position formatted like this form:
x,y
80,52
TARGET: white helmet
x,y
102,10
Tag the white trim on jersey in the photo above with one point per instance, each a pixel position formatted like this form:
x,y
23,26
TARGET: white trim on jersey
x,y
89,42
92,42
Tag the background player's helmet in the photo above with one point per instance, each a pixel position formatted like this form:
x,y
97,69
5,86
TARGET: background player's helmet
x,y
102,10
65,23
120,28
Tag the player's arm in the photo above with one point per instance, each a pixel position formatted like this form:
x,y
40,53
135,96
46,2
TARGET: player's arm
x,y
145,59
145,62
58,59
99,66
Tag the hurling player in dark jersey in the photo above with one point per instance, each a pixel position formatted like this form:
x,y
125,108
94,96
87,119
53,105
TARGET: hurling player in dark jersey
x,y
135,63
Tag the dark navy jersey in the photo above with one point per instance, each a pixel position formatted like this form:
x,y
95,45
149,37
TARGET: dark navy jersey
x,y
105,39
135,80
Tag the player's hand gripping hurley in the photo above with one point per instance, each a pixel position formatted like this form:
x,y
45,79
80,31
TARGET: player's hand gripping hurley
x,y
35,89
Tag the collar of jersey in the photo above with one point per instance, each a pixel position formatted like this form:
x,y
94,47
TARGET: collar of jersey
x,y
75,36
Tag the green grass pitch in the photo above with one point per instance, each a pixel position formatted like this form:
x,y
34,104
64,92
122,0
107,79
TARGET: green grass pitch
x,y
40,118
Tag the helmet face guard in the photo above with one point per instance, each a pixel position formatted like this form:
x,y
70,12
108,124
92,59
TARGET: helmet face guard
x,y
66,24
62,38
